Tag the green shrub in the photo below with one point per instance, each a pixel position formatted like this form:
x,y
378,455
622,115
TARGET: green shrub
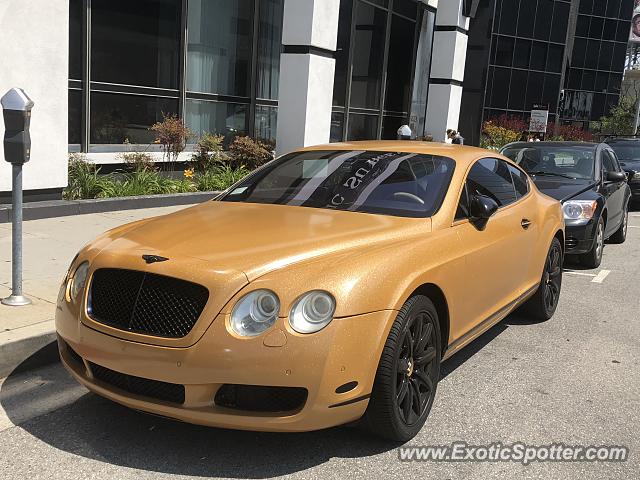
x,y
84,179
250,153
208,153
143,182
220,178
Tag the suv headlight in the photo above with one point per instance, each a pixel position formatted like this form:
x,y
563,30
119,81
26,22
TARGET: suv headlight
x,y
78,281
579,211
255,312
636,176
312,312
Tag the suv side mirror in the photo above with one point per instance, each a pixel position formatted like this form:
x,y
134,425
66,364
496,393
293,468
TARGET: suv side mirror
x,y
616,177
482,208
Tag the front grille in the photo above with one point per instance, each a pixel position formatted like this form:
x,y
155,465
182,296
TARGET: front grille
x,y
167,392
146,302
255,398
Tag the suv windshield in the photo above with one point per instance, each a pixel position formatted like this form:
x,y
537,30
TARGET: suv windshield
x,y
562,161
627,151
389,183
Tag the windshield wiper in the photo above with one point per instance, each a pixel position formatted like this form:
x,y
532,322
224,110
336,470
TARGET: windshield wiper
x,y
553,174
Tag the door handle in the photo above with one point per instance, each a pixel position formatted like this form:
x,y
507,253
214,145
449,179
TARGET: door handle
x,y
525,223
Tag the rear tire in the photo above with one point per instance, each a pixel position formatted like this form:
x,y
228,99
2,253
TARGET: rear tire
x,y
593,258
621,234
544,302
408,373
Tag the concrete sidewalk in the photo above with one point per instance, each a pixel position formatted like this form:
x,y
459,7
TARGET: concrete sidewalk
x,y
49,246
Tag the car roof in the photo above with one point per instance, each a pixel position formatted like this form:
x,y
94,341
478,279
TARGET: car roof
x,y
460,153
552,144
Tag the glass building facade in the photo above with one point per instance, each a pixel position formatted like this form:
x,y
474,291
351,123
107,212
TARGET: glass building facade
x,y
382,68
594,78
216,63
537,50
213,62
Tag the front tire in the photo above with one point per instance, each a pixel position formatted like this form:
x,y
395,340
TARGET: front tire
x,y
593,258
544,302
408,373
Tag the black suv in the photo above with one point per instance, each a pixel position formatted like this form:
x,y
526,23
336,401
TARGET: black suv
x,y
628,152
590,184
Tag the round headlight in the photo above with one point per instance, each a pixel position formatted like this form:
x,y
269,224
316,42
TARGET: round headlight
x,y
573,210
78,281
312,312
255,312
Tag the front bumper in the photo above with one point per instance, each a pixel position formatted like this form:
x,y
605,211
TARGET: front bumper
x,y
580,239
346,351
635,189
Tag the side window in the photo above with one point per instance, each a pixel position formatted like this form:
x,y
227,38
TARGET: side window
x,y
492,178
520,181
609,162
463,206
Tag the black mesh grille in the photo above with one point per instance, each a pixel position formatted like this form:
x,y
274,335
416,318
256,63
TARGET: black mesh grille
x,y
145,302
168,392
255,398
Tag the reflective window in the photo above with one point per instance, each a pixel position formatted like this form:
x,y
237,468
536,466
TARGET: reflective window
x,y
399,66
491,178
117,119
520,181
362,127
219,56
228,119
388,183
269,47
266,122
136,43
75,117
368,56
75,39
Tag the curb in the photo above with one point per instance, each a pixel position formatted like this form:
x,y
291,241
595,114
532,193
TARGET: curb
x,y
17,355
64,208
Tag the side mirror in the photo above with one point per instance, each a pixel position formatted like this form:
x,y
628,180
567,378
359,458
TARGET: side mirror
x,y
482,208
616,177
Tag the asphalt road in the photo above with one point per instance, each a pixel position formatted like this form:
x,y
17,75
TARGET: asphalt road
x,y
572,380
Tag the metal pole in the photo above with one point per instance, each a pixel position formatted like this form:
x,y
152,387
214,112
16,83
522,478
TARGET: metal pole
x,y
16,298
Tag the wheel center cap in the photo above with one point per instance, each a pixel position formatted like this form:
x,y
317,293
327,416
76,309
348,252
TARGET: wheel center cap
x,y
410,367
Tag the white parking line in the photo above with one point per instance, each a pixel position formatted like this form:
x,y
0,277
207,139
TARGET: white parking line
x,y
601,276
572,272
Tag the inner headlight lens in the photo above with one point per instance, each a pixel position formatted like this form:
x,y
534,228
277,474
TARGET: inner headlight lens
x,y
636,176
255,312
579,210
78,281
312,312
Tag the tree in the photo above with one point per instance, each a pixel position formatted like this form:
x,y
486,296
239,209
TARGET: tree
x,y
621,119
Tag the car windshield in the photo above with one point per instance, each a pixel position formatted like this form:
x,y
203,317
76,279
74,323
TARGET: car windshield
x,y
562,161
627,151
387,183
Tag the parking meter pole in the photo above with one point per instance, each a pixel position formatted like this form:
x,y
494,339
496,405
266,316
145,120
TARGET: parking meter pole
x,y
17,150
16,298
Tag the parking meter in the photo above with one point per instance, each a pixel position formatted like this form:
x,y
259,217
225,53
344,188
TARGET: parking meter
x,y
16,110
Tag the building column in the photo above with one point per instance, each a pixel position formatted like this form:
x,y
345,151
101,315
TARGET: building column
x,y
447,68
307,69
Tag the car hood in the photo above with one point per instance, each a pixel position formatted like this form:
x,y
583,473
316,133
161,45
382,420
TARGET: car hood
x,y
256,238
562,189
631,165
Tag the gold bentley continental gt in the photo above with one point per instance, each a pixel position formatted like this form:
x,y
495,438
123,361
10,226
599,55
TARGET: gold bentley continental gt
x,y
325,288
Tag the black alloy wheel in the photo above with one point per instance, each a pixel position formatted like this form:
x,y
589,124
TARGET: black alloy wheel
x,y
415,369
408,373
543,304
